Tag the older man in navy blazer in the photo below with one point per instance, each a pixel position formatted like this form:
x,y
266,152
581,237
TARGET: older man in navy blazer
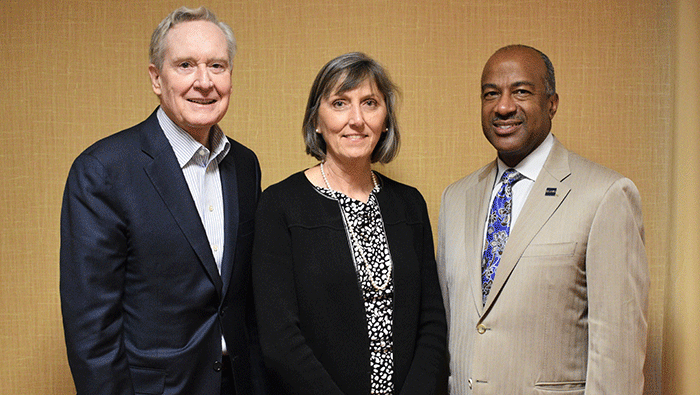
x,y
156,235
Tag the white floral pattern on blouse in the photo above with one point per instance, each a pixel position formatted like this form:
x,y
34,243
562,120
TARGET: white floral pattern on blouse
x,y
366,221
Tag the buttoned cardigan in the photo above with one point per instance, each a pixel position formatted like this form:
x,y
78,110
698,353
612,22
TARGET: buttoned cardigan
x,y
309,305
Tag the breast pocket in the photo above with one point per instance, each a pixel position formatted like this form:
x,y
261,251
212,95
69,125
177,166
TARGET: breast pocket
x,y
551,250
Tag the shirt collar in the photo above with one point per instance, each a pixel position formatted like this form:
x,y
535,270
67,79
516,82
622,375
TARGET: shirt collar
x,y
532,164
188,149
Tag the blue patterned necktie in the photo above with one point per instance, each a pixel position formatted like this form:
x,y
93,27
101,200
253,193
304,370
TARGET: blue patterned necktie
x,y
498,230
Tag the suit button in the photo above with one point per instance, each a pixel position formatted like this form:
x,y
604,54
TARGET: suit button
x,y
470,384
481,329
217,366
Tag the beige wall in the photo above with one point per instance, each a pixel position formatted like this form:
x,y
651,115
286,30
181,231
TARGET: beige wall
x,y
75,71
681,343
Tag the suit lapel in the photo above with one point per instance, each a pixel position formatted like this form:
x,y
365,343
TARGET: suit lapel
x,y
475,216
167,178
229,186
539,207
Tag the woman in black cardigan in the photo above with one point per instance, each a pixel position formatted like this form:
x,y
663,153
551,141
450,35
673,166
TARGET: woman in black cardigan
x,y
346,289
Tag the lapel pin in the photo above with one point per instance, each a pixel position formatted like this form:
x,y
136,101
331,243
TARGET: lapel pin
x,y
550,192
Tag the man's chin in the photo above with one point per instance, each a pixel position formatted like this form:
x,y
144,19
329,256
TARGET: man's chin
x,y
504,143
201,122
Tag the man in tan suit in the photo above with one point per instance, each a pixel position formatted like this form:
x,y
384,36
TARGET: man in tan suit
x,y
548,292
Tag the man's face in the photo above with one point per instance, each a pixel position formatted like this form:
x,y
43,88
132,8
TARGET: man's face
x,y
516,112
194,83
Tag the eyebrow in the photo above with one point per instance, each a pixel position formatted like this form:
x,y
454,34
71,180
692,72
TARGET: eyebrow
x,y
513,85
191,59
343,94
521,83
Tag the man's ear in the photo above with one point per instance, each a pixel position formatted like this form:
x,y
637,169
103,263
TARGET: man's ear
x,y
155,78
553,104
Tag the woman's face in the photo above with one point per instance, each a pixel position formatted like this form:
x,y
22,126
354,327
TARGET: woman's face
x,y
352,122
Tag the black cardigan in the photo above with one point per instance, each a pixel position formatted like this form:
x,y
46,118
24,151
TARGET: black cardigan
x,y
308,301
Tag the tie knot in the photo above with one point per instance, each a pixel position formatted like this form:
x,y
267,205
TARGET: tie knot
x,y
511,176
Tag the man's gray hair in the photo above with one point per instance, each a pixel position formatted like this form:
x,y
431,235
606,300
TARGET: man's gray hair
x,y
184,14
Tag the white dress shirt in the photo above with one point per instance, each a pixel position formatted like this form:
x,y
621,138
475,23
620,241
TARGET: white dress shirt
x,y
200,166
530,168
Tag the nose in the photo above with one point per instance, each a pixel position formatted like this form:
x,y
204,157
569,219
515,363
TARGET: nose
x,y
505,106
356,116
202,78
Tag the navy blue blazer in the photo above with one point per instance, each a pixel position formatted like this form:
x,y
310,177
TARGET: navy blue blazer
x,y
144,306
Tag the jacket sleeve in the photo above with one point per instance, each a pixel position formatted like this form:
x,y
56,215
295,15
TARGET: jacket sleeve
x,y
441,266
285,350
259,377
92,269
618,283
428,369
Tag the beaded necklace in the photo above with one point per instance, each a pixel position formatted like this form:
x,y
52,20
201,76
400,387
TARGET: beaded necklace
x,y
354,239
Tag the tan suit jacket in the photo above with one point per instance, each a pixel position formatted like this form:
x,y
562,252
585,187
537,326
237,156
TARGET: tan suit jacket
x,y
567,309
